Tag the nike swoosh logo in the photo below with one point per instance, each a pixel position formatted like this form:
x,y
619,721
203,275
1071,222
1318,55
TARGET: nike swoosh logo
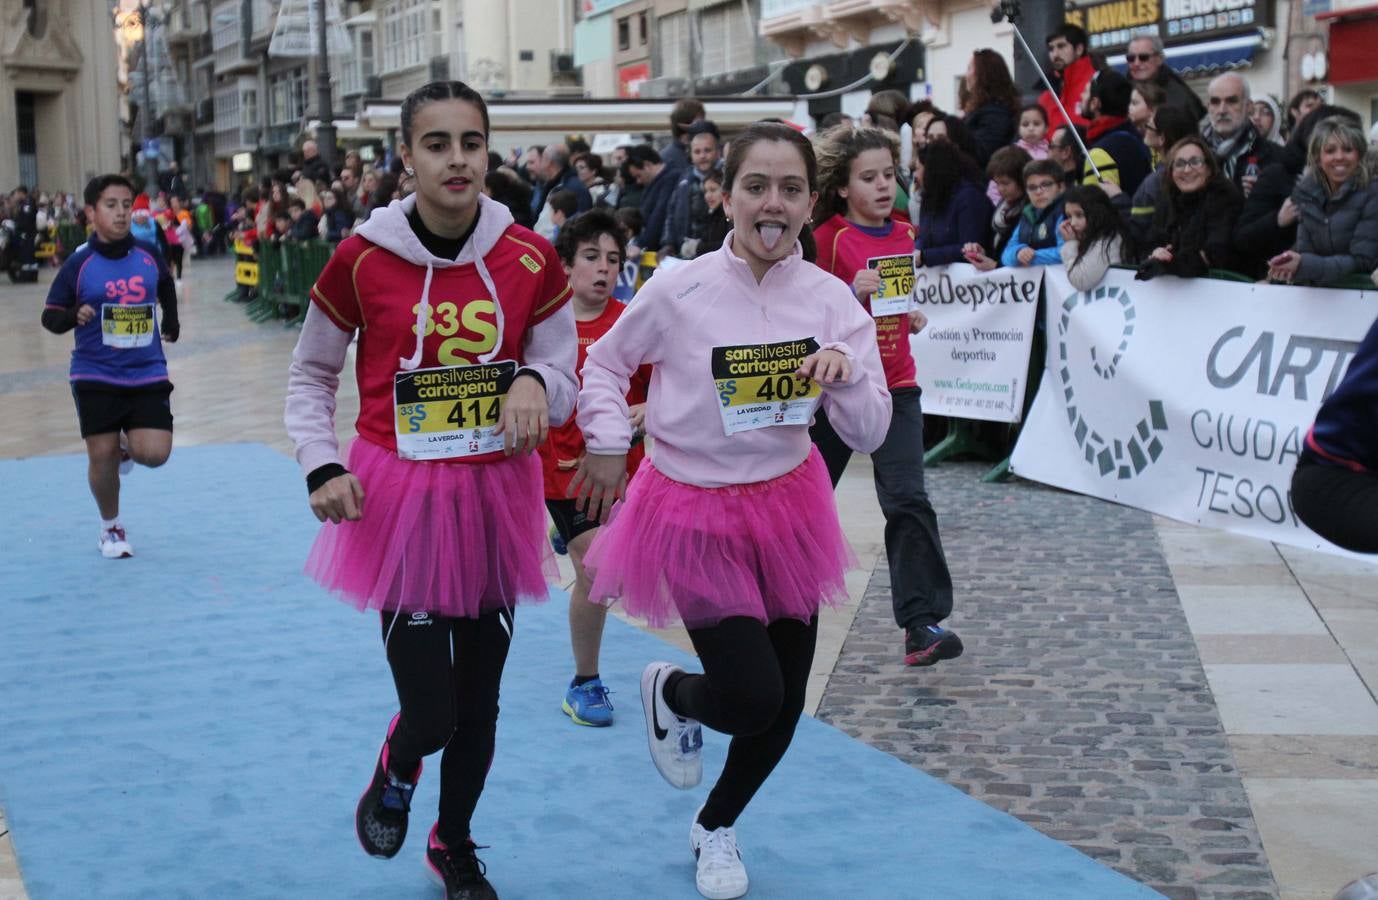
x,y
661,733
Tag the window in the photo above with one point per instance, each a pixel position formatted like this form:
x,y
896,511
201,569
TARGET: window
x,y
358,69
641,29
624,34
287,93
248,105
405,34
673,39
225,35
729,39
527,55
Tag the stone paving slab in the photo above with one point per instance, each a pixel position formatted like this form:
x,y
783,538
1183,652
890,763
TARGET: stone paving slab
x,y
1081,705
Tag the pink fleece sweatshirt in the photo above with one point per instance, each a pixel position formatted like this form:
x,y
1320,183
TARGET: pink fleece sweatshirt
x,y
674,323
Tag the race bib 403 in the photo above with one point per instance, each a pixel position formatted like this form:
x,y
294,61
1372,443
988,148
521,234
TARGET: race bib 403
x,y
450,411
896,284
757,387
127,325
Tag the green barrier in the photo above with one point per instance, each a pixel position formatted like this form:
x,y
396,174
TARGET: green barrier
x,y
285,273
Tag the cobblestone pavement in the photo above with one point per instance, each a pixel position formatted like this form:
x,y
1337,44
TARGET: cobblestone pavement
x,y
1080,706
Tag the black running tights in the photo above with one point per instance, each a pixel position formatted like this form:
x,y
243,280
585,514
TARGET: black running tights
x,y
1339,504
752,688
447,673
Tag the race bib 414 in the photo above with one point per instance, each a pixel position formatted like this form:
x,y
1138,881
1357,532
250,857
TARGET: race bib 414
x,y
757,387
450,411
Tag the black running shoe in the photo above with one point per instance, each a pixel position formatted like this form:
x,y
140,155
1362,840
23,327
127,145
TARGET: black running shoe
x,y
925,645
380,821
459,869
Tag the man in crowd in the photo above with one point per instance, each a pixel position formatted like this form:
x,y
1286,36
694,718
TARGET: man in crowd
x,y
312,166
1242,151
557,174
645,167
1118,153
683,115
1148,65
687,223
1072,68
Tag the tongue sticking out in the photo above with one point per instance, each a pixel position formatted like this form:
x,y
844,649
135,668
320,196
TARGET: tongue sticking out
x,y
770,235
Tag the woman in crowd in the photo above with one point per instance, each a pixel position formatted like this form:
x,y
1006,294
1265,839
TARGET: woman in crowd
x,y
1094,237
992,108
1337,208
1197,210
1267,118
954,210
589,168
1166,126
1268,224
1143,100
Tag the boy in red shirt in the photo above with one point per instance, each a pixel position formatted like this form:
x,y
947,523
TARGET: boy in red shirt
x,y
591,247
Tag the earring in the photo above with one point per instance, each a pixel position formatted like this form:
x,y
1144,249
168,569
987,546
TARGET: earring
x,y
411,173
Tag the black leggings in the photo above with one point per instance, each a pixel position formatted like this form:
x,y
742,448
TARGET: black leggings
x,y
752,688
449,705
1339,504
175,253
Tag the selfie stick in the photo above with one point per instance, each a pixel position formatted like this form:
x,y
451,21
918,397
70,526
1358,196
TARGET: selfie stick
x,y
1009,9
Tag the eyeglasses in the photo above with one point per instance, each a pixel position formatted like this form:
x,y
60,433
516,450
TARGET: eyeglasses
x,y
1139,57
1181,165
1054,145
1040,186
1148,126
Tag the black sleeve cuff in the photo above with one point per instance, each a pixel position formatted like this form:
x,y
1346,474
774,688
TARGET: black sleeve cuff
x,y
59,321
534,374
319,476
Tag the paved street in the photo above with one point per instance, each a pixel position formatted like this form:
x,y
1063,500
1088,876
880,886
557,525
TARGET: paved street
x,y
1194,709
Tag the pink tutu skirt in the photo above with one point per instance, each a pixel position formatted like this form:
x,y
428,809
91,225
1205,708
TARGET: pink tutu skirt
x,y
769,550
451,539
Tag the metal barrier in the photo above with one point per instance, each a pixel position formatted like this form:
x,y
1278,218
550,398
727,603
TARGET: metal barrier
x,y
276,279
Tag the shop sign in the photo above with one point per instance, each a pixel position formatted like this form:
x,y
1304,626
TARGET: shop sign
x,y
630,78
1112,24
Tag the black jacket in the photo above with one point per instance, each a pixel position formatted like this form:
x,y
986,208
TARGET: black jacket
x,y
992,126
1179,93
1193,224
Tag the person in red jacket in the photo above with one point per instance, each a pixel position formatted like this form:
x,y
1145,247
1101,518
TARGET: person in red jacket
x,y
591,247
861,242
1072,68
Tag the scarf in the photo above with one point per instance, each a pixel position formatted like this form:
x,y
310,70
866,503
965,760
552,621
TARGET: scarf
x,y
1230,150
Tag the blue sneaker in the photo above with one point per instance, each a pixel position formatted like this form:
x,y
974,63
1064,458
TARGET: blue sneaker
x,y
588,704
557,543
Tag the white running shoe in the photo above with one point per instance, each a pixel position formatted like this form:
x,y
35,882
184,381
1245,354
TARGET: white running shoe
x,y
721,875
676,743
114,545
126,461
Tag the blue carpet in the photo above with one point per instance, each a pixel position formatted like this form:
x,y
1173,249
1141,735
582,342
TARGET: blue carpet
x,y
198,722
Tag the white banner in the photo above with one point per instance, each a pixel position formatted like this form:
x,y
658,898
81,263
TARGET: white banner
x,y
973,358
1189,398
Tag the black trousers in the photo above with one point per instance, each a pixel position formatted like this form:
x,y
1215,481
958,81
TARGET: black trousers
x,y
752,688
920,583
1339,504
447,673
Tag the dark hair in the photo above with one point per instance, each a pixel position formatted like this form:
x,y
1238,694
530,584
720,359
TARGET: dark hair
x,y
835,152
297,203
1074,34
382,195
683,114
1300,141
713,175
957,133
1103,221
889,103
945,167
1049,168
1034,107
512,191
589,159
993,82
1169,184
1297,100
914,109
1072,143
250,194
704,127
440,90
563,201
1009,162
832,120
630,219
96,186
769,131
494,159
587,228
641,155
1173,123
1153,93
1113,91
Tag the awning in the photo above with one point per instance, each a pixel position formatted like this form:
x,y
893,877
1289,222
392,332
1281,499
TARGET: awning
x,y
1207,57
1352,39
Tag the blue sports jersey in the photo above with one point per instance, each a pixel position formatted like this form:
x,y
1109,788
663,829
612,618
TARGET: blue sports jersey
x,y
121,344
1346,429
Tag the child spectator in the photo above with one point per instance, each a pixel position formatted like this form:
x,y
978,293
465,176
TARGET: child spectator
x,y
1033,131
303,220
1038,238
718,226
563,207
1006,171
1093,236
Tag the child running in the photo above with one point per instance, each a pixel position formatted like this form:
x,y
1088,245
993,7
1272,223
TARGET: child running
x,y
861,244
465,353
106,292
730,525
591,247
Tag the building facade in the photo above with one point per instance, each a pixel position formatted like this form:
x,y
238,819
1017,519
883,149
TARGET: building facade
x,y
59,100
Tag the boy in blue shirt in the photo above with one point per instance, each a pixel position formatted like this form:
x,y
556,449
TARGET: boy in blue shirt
x,y
105,292
1036,238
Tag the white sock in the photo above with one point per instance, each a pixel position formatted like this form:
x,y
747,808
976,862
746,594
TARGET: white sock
x,y
107,524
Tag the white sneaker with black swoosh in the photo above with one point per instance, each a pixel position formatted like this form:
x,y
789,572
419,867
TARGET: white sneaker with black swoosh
x,y
676,743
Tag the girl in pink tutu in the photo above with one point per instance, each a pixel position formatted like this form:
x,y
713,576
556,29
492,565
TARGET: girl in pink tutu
x,y
465,355
730,525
